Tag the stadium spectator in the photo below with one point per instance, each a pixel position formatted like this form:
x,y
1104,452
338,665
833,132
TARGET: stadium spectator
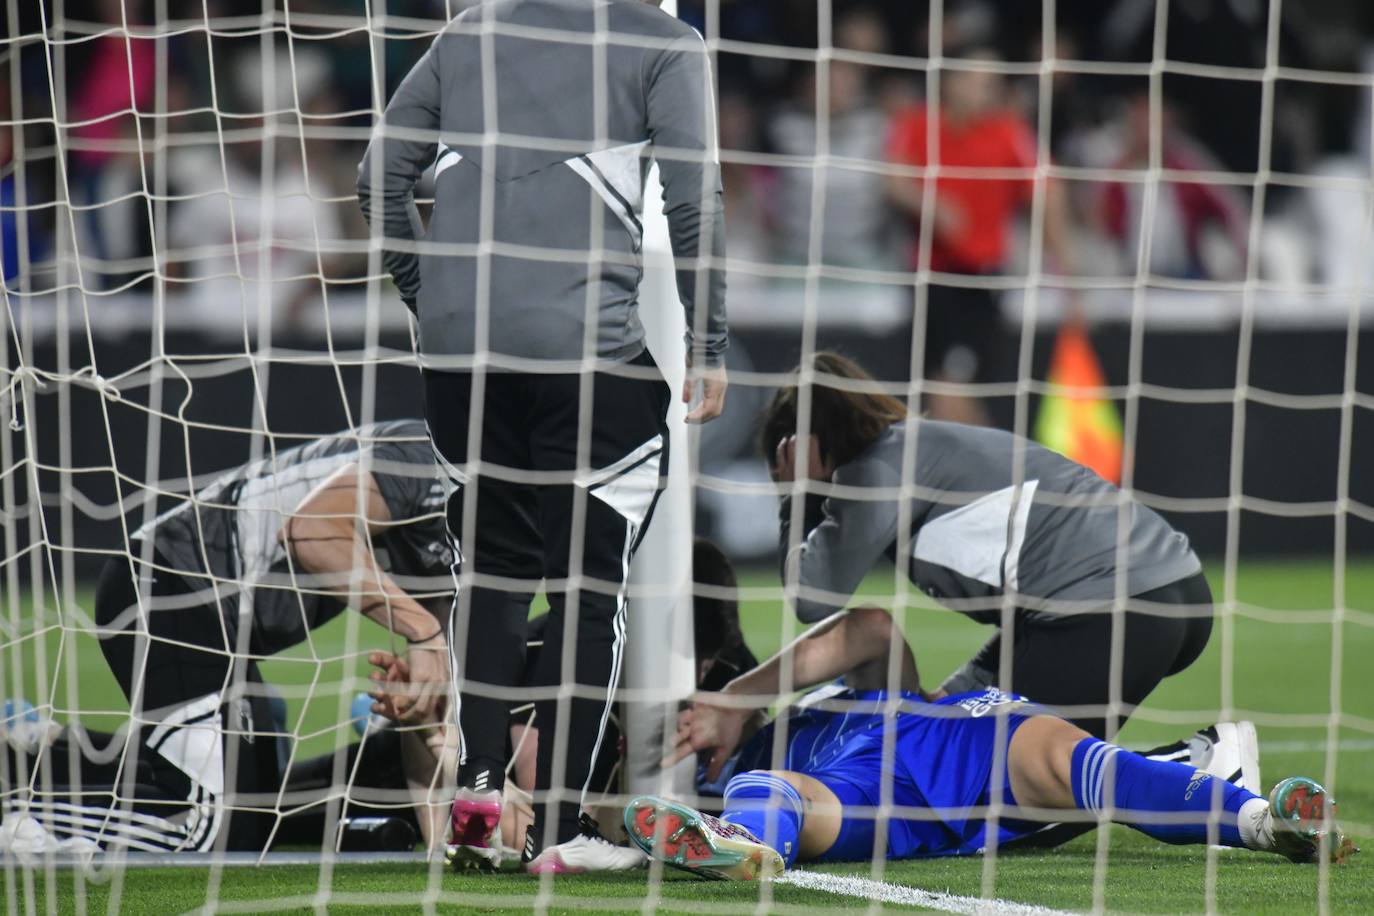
x,y
987,155
244,238
257,226
1197,229
854,223
747,187
10,216
117,81
596,441
993,519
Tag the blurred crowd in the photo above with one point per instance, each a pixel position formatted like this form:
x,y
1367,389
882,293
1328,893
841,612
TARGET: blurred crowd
x,y
281,125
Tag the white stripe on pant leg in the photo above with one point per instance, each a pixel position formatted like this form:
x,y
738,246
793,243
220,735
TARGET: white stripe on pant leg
x,y
630,487
97,832
455,695
192,740
456,480
101,824
158,824
90,823
205,816
617,653
163,828
454,669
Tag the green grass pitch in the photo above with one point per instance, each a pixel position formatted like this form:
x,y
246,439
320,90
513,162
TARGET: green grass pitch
x,y
1276,654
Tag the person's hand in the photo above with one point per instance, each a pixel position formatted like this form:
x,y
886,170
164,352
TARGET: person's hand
x,y
709,727
429,678
392,678
411,689
785,461
713,386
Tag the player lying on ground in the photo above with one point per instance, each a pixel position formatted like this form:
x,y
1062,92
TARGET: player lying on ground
x,y
721,656
947,761
990,520
244,569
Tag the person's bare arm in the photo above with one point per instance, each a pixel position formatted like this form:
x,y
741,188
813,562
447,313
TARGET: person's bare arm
x,y
851,642
429,749
328,536
856,644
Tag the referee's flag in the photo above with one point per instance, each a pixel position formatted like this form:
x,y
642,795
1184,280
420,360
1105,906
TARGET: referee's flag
x,y
1075,419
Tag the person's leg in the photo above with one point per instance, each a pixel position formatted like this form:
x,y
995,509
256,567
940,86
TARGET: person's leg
x,y
169,649
1192,598
591,527
589,611
253,776
1067,664
771,818
795,814
487,634
505,559
1055,765
962,328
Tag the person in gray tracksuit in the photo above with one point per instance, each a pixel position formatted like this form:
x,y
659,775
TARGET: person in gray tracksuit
x,y
994,523
540,119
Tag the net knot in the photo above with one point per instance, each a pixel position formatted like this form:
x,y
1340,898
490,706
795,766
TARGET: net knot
x,y
97,381
13,390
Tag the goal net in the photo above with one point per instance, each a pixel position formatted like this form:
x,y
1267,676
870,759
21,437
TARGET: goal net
x,y
1135,233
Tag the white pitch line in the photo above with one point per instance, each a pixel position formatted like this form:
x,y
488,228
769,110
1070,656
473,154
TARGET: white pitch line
x,y
881,891
1300,746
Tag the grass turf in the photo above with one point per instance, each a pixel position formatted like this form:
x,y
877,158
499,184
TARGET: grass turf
x,y
1277,647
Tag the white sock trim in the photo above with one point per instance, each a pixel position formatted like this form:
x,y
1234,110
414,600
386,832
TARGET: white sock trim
x,y
1255,824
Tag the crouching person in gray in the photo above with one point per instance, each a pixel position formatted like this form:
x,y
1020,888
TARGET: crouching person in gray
x,y
241,570
992,519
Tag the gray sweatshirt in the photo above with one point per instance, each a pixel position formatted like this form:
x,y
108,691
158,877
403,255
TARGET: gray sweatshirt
x,y
224,538
540,118
1048,536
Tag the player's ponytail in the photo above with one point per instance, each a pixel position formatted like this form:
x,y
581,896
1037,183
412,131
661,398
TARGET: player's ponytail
x,y
847,414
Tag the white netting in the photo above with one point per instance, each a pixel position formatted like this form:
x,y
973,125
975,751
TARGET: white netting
x,y
189,287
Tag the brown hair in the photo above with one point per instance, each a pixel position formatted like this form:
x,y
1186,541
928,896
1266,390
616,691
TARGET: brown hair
x,y
843,420
715,617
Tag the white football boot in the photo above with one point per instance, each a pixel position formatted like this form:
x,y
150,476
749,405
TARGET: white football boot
x,y
587,852
1229,751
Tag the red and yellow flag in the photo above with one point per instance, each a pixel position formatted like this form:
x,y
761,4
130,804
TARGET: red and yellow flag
x,y
1075,420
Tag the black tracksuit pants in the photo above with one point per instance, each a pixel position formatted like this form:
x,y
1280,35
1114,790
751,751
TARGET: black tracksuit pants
x,y
205,770
571,469
1066,663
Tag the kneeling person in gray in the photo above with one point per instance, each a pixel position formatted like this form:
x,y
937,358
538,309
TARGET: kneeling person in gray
x,y
243,569
993,520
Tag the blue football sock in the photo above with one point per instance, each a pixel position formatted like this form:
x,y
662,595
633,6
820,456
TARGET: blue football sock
x,y
1141,787
768,807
